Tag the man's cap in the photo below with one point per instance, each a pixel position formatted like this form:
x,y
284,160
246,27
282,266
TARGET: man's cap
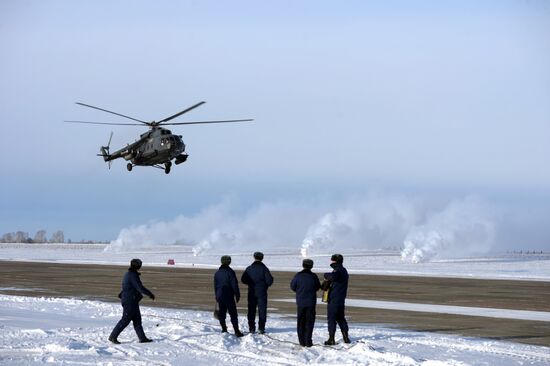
x,y
258,256
135,263
225,259
307,263
338,258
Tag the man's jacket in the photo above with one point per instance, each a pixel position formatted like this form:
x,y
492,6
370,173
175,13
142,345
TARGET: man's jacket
x,y
339,284
305,284
258,278
226,285
132,288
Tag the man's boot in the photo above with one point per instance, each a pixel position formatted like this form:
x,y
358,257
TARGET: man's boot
x,y
330,341
224,326
235,324
113,337
346,337
141,334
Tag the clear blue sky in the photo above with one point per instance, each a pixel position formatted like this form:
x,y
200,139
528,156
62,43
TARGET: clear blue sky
x,y
442,98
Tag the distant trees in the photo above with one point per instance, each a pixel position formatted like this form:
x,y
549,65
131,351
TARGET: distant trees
x,y
21,237
39,237
57,237
8,238
17,237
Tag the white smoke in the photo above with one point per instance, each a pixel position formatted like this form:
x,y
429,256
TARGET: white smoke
x,y
268,225
464,227
426,228
373,222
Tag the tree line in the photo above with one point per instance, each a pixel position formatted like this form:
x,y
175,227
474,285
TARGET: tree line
x,y
40,237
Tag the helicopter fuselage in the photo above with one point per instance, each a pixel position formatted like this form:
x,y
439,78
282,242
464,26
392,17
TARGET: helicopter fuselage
x,y
158,146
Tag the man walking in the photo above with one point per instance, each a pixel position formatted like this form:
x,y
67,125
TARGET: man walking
x,y
226,288
336,305
306,284
258,278
132,290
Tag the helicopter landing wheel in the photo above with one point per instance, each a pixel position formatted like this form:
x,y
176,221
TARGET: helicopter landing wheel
x,y
129,166
167,167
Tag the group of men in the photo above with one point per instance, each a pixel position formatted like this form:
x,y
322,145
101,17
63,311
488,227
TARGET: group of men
x,y
258,278
306,284
226,288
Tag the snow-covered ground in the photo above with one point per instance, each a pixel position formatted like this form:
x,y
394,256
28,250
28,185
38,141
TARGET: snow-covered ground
x,y
72,331
387,262
35,331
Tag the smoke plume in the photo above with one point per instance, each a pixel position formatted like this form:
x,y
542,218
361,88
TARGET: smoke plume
x,y
464,227
426,228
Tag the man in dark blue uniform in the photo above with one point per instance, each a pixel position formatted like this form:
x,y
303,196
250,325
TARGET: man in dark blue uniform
x,y
132,290
306,284
258,278
336,305
226,288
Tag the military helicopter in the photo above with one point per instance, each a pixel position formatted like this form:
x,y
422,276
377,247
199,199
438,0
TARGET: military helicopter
x,y
156,147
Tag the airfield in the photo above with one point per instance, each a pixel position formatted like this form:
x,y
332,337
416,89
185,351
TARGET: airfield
x,y
191,288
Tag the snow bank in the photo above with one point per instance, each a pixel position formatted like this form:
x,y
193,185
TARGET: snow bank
x,y
34,331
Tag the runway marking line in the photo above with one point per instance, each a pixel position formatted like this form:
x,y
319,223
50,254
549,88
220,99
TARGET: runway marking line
x,y
542,316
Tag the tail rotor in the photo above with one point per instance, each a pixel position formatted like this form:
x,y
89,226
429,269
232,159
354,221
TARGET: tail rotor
x,y
104,151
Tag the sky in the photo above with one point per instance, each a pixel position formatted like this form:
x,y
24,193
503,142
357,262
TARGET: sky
x,y
420,100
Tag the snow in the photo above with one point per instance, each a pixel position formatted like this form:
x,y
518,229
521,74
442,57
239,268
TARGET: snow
x,y
34,331
511,266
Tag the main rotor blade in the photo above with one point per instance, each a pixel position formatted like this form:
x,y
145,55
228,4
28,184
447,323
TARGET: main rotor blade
x,y
110,138
105,110
106,123
182,112
199,122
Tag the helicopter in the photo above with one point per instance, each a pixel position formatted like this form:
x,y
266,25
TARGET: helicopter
x,y
156,147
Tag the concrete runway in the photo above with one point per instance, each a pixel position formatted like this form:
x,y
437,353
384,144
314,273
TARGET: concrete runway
x,y
192,288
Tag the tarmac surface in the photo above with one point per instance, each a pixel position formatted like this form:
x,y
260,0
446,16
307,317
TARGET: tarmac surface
x,y
192,288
